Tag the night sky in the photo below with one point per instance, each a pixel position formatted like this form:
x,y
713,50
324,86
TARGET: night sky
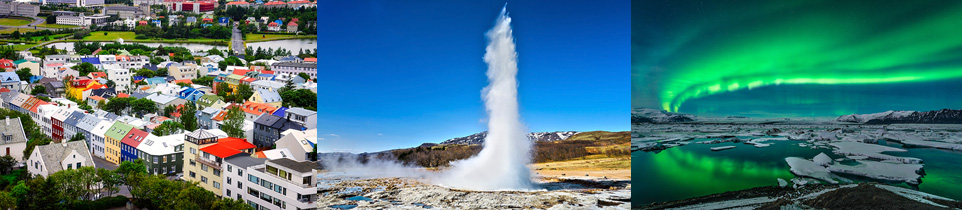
x,y
796,58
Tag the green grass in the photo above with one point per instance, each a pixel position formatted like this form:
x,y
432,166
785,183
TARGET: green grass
x,y
268,37
13,22
44,25
23,47
111,36
11,30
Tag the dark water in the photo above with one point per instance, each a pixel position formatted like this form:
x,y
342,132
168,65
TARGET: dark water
x,y
943,170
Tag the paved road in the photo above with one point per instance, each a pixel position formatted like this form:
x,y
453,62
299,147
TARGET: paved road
x,y
237,42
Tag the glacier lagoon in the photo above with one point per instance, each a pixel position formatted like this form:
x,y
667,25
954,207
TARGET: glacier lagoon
x,y
670,164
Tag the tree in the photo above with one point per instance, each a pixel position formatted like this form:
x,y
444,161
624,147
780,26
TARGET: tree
x,y
39,89
215,51
77,137
24,74
188,116
145,73
41,195
85,68
131,173
7,201
143,106
110,84
205,80
110,181
223,89
161,72
243,92
299,98
19,191
304,75
6,164
234,124
169,110
167,128
118,105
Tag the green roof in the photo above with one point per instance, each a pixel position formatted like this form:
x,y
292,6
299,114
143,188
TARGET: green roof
x,y
18,62
118,130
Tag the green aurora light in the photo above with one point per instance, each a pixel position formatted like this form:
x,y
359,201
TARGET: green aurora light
x,y
712,49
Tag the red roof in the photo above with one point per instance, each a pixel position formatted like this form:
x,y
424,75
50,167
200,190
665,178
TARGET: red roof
x,y
97,74
237,2
220,116
258,108
134,137
299,2
275,3
96,98
227,147
272,24
261,154
292,23
188,81
241,71
4,90
122,95
249,79
310,59
267,72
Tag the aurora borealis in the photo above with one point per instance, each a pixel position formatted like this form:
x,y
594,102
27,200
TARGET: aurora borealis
x,y
683,51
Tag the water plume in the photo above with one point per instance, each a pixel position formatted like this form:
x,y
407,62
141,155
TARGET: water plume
x,y
502,163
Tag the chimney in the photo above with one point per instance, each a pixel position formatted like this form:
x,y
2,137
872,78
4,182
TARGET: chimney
x,y
8,120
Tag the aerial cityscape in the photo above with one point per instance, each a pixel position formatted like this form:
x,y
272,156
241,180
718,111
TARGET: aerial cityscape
x,y
158,104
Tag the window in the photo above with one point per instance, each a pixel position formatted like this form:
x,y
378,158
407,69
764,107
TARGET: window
x,y
228,180
228,168
271,170
239,185
193,175
216,185
253,192
78,165
216,172
240,172
192,163
203,167
253,179
228,193
203,179
193,150
155,160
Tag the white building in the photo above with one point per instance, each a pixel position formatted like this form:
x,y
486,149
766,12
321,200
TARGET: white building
x,y
48,159
271,184
97,141
120,76
299,143
75,3
81,20
13,140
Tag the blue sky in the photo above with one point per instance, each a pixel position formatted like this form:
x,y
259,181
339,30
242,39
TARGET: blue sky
x,y
395,74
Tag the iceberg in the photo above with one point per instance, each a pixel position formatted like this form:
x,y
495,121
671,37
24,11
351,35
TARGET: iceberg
x,y
908,173
870,150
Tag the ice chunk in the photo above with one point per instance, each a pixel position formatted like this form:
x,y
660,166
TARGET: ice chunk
x,y
722,148
914,140
822,160
871,151
807,168
782,182
908,173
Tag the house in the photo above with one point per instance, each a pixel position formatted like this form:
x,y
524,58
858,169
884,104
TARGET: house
x,y
121,78
304,117
95,61
295,68
70,124
212,101
163,154
162,100
13,139
10,80
275,4
93,130
292,27
26,64
48,159
293,183
274,26
190,94
266,97
212,59
267,85
56,121
129,143
153,81
300,143
206,155
254,110
97,74
180,71
310,60
54,86
92,101
191,20
7,65
204,117
114,135
268,129
80,89
238,4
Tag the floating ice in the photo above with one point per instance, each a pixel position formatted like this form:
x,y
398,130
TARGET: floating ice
x,y
871,151
908,173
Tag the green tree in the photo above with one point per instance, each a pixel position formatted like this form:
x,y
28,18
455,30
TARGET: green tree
x,y
85,68
234,123
243,92
110,181
24,74
304,75
118,106
77,137
143,106
39,89
7,201
169,110
41,195
145,73
6,164
215,51
168,128
188,116
182,84
131,173
161,72
205,81
19,191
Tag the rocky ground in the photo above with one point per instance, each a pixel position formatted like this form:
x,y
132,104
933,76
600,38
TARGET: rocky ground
x,y
404,193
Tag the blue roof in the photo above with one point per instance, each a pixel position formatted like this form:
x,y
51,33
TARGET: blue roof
x,y
9,77
139,77
279,22
266,75
94,61
34,79
280,111
155,80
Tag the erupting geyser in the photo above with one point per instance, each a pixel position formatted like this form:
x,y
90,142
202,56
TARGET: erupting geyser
x,y
502,163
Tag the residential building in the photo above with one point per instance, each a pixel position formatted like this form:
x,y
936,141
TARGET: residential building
x,y
294,68
125,12
254,110
114,135
70,124
268,129
304,117
181,71
128,145
212,101
299,143
56,121
266,97
273,184
13,139
204,117
190,94
74,3
87,126
79,19
23,63
51,158
121,78
292,27
163,154
203,163
274,26
10,80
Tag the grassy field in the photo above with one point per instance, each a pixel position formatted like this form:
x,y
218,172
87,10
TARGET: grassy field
x,y
597,166
11,30
56,26
111,36
268,37
23,47
13,22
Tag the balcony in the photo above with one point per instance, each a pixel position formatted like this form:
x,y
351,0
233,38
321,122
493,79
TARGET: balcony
x,y
210,163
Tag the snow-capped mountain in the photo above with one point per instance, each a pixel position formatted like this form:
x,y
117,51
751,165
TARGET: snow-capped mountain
x,y
944,116
478,138
646,115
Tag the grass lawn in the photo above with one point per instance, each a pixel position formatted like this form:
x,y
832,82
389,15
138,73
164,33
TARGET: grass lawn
x,y
13,22
266,37
56,26
23,46
111,36
11,30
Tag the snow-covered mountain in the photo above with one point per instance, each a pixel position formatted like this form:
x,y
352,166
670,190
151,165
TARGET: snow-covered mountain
x,y
944,116
646,115
478,138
